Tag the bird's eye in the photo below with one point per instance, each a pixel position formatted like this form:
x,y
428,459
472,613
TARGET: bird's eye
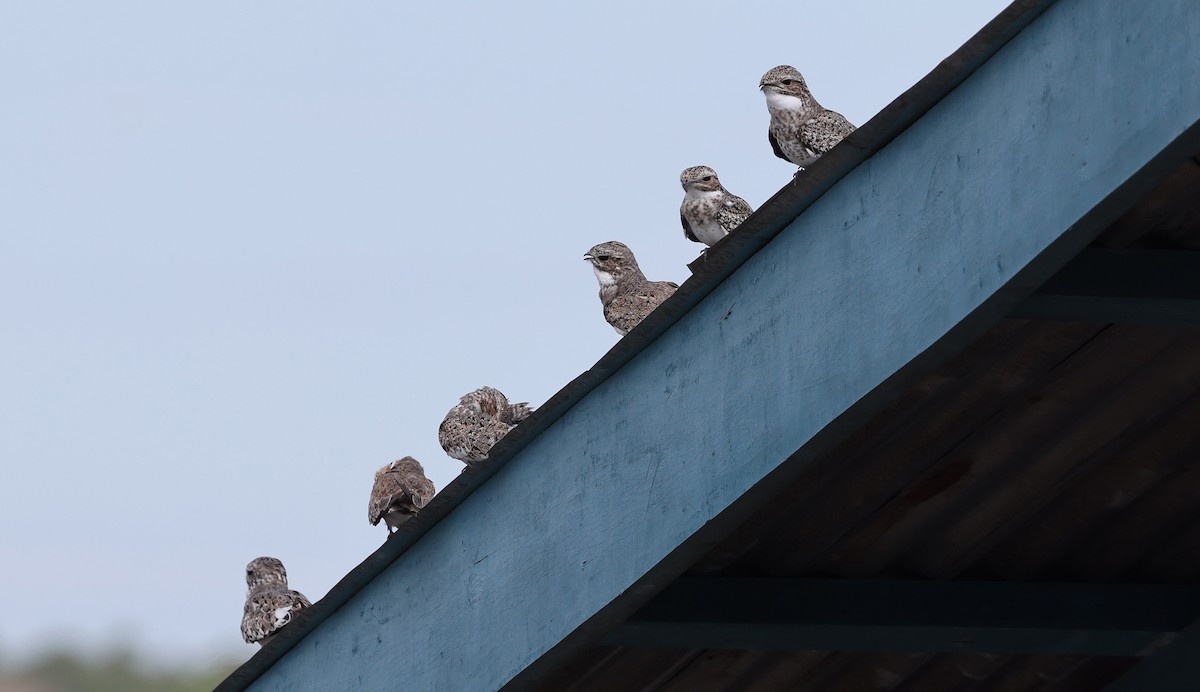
x,y
707,178
603,258
787,81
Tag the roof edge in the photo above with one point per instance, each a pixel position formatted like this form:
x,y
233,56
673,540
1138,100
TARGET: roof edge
x,y
721,261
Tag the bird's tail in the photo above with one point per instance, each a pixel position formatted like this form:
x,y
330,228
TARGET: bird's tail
x,y
519,412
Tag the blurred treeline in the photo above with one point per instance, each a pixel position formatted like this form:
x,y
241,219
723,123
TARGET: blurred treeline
x,y
116,672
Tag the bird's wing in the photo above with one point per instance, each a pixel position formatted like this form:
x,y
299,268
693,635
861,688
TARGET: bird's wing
x,y
775,145
452,434
469,436
733,212
687,229
255,623
420,491
299,601
824,130
385,488
657,291
627,309
267,611
622,313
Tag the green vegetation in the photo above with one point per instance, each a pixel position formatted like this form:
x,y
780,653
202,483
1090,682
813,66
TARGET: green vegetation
x,y
119,672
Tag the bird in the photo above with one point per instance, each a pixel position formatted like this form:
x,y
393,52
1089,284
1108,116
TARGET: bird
x,y
400,491
625,293
270,604
801,129
480,419
709,212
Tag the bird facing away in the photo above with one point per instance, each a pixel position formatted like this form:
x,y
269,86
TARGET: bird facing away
x,y
625,293
479,420
709,211
801,129
400,491
270,604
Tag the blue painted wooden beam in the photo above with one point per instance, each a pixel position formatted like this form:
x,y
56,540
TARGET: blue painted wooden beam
x,y
894,251
911,616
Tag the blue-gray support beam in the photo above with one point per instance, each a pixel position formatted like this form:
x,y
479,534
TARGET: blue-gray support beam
x,y
911,616
1121,286
1173,668
925,234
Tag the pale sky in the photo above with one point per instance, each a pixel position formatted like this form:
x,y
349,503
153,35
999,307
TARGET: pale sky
x,y
251,252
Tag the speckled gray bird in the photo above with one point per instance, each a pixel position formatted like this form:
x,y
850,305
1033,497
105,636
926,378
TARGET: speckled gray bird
x,y
400,491
801,129
709,211
479,420
625,294
270,604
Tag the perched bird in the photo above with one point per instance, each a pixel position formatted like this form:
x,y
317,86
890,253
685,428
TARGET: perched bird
x,y
709,211
270,604
625,293
480,420
801,129
400,491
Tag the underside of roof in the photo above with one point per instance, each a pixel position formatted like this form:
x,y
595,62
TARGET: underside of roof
x,y
926,421
1051,470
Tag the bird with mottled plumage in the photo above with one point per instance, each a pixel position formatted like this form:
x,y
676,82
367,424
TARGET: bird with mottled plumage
x,y
625,293
400,491
270,604
801,129
709,211
479,420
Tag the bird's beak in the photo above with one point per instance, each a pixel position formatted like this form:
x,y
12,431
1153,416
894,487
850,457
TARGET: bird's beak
x,y
588,258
